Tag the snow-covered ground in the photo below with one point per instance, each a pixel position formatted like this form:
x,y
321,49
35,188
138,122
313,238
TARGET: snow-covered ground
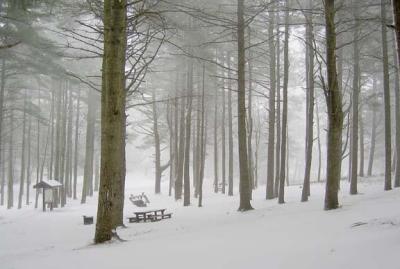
x,y
364,233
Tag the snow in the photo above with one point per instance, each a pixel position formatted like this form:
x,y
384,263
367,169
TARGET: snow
x,y
363,233
49,183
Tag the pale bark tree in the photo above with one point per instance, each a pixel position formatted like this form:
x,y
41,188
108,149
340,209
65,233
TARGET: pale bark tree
x,y
271,107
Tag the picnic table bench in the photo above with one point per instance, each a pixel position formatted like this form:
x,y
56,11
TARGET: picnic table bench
x,y
150,215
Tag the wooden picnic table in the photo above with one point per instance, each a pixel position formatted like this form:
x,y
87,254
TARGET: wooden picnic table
x,y
149,214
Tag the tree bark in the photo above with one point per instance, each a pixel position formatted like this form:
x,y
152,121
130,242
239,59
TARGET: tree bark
x,y
386,100
333,98
76,143
186,179
271,108
355,107
310,104
230,130
22,177
2,161
244,187
282,175
373,129
113,119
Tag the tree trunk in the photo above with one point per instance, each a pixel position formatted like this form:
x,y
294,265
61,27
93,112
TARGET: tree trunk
x,y
310,104
319,143
157,149
271,110
113,119
355,105
22,177
76,143
333,98
2,161
89,149
10,183
281,198
223,142
181,151
397,117
386,100
186,179
203,141
28,165
278,110
373,129
362,150
230,130
244,187
216,181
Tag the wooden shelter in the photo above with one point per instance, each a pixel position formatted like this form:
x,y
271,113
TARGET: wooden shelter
x,y
48,187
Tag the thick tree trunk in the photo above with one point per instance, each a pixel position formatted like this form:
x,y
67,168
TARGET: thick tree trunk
x,y
244,187
335,114
113,119
271,109
386,100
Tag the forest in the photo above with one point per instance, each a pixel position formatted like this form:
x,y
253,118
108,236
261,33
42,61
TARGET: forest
x,y
252,133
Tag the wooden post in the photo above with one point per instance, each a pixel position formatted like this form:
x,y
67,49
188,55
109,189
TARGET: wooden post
x,y
44,200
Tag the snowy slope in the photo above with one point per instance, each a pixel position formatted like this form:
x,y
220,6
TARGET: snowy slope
x,y
364,233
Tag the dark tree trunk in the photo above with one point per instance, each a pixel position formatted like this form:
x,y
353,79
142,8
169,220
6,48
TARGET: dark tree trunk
x,y
113,119
333,98
386,100
244,188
